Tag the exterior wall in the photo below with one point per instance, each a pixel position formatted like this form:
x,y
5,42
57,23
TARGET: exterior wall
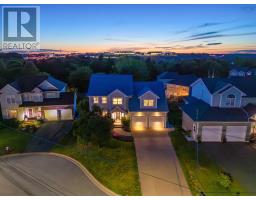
x,y
45,85
109,106
147,116
224,125
187,122
51,94
216,98
173,90
148,95
200,91
234,91
8,91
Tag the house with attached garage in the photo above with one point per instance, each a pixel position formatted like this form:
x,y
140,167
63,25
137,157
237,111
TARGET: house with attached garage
x,y
176,86
120,96
221,109
37,97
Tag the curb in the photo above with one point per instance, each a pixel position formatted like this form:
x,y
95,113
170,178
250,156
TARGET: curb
x,y
75,162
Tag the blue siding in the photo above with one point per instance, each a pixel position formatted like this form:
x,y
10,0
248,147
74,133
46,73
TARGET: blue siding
x,y
200,91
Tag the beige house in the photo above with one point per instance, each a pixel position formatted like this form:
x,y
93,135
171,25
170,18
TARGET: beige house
x,y
176,86
143,102
37,97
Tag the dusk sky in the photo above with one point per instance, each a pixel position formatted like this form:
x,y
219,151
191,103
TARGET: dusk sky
x,y
178,28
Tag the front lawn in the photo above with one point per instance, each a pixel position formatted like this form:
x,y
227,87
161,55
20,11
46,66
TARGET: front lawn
x,y
115,166
205,177
16,140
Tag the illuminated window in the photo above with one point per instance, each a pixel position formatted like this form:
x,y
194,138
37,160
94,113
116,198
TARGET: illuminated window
x,y
117,101
95,99
104,100
148,102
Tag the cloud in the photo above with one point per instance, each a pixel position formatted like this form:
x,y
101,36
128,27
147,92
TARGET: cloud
x,y
246,51
249,9
221,35
214,43
117,40
203,34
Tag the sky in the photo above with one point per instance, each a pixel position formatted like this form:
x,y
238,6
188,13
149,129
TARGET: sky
x,y
175,28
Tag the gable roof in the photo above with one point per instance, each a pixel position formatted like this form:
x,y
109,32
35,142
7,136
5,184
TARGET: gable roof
x,y
168,75
142,87
201,111
104,84
244,84
28,83
214,84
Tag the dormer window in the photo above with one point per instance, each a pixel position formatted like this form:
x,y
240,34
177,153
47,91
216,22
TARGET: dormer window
x,y
231,100
148,102
95,100
117,101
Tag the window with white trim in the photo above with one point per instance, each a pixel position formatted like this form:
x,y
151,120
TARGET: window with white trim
x,y
231,100
148,102
117,101
10,99
95,99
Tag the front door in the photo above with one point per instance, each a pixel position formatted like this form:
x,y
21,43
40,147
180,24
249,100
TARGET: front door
x,y
117,116
59,114
30,112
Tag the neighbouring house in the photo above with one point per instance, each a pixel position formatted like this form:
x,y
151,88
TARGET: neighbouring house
x,y
221,109
37,97
242,72
120,96
176,86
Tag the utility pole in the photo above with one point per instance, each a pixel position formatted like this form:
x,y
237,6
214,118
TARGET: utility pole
x,y
197,152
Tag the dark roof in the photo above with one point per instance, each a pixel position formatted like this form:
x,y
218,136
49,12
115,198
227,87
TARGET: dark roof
x,y
66,98
104,84
142,87
250,109
28,83
245,84
184,80
214,84
201,111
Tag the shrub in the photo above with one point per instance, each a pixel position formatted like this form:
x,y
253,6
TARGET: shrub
x,y
224,179
13,123
126,123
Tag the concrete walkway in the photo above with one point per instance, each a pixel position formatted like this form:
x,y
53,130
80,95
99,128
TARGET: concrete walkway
x,y
159,169
43,174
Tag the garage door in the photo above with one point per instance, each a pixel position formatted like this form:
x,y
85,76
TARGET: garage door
x,y
211,133
156,122
236,133
51,115
66,114
139,122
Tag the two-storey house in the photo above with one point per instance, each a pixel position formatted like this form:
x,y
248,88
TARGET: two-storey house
x,y
176,86
143,102
220,109
37,97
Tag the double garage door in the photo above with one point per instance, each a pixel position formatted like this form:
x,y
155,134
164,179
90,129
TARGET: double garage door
x,y
58,114
148,122
233,133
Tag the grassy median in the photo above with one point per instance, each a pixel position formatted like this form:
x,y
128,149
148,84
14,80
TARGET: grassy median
x,y
114,166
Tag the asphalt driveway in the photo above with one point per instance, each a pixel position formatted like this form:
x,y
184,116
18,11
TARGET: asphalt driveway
x,y
43,175
48,135
238,159
159,169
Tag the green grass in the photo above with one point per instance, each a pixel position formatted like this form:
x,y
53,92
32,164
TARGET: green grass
x,y
115,166
16,140
204,177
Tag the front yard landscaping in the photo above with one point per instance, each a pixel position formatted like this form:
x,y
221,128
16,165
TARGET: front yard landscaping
x,y
115,165
207,178
16,140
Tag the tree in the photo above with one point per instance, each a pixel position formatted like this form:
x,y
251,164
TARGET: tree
x,y
80,78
